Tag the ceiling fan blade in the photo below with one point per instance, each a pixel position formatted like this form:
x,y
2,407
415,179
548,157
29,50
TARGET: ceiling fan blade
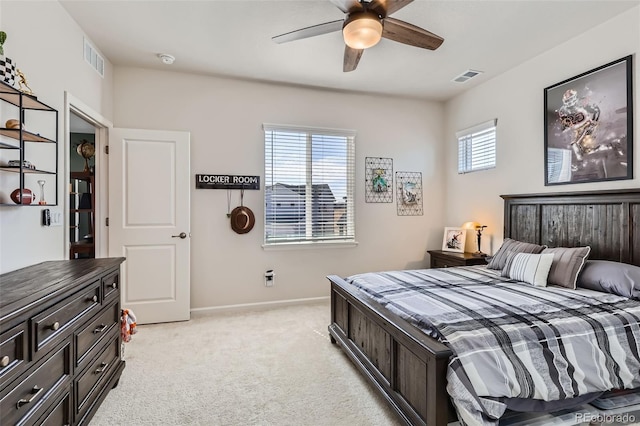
x,y
385,8
351,58
403,32
327,27
348,6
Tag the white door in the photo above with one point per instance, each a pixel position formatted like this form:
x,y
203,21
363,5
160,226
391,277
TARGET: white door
x,y
149,221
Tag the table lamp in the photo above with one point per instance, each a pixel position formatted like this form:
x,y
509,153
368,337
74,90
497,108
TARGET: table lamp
x,y
478,228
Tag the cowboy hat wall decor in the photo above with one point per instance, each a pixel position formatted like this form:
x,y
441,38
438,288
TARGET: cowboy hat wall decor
x,y
242,219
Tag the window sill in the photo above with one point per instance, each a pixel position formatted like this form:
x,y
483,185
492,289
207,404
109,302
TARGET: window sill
x,y
309,245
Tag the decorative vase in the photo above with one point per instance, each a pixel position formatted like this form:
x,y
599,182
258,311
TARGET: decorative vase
x,y
7,70
42,201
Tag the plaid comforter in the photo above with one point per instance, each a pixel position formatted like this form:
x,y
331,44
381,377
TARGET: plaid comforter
x,y
511,339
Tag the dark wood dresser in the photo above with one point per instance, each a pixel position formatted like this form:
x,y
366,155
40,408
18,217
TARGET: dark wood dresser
x,y
446,259
59,340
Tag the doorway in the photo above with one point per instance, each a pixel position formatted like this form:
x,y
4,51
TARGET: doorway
x,y
82,123
82,188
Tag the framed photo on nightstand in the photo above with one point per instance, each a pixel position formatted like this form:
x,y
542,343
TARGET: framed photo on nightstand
x,y
454,239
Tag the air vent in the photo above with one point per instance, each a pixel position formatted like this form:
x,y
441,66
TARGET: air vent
x,y
93,58
467,75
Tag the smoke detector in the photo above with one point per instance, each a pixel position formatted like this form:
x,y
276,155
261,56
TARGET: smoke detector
x,y
166,58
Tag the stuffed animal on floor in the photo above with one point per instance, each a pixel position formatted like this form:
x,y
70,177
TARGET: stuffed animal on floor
x,y
128,325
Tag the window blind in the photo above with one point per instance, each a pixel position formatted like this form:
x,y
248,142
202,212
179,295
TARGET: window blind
x,y
309,185
477,147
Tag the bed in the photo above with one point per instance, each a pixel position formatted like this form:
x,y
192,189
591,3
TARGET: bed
x,y
408,367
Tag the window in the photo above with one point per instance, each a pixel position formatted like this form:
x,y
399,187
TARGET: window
x,y
477,147
309,185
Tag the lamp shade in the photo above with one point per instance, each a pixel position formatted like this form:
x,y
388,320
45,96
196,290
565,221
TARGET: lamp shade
x,y
362,31
478,228
471,225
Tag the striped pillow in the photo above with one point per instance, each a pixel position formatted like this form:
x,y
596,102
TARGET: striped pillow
x,y
499,260
529,268
567,264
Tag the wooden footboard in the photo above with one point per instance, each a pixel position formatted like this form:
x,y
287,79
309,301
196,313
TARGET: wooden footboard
x,y
406,366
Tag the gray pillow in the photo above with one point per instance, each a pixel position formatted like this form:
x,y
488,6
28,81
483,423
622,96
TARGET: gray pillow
x,y
611,277
499,260
567,264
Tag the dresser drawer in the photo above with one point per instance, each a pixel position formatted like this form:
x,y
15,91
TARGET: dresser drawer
x,y
13,353
110,285
50,376
54,324
59,413
95,330
445,259
87,386
446,263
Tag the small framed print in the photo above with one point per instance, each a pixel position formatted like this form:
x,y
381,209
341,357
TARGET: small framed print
x,y
454,239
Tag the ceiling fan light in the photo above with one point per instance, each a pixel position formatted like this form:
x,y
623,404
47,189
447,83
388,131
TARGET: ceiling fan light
x,y
362,31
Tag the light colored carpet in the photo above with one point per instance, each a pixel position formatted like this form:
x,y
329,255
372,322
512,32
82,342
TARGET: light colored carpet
x,y
270,367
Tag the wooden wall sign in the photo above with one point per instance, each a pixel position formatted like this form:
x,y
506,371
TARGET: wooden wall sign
x,y
227,182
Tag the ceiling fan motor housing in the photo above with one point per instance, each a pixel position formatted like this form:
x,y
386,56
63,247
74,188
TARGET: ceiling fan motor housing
x,y
362,30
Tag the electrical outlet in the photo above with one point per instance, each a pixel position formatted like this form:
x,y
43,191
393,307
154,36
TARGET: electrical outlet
x,y
269,278
56,218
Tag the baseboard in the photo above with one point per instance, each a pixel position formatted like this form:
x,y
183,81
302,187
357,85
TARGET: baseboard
x,y
257,306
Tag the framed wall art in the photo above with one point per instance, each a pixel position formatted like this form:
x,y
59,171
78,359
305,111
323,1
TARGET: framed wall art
x,y
409,190
588,126
454,239
379,180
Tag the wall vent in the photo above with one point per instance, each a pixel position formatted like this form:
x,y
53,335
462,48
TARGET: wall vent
x,y
467,75
93,58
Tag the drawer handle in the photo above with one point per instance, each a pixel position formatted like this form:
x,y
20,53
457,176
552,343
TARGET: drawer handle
x,y
4,361
101,369
99,329
55,326
94,299
35,392
114,286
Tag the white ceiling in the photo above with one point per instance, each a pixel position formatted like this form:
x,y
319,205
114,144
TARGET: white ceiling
x,y
233,38
79,125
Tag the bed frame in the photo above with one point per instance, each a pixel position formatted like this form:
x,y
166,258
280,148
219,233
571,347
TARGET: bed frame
x,y
407,367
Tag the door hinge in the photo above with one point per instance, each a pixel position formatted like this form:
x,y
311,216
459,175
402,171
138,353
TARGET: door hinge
x,y
107,222
106,149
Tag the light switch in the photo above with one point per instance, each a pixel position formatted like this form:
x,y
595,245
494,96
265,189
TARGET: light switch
x,y
56,218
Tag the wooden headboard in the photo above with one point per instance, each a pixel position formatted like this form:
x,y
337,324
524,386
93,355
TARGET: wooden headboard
x,y
608,221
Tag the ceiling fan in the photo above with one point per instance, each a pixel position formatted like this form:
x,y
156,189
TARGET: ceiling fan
x,y
365,23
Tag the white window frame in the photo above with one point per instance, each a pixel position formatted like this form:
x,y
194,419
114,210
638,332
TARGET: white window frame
x,y
348,240
477,147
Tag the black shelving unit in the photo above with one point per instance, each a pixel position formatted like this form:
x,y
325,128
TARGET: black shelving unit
x,y
19,140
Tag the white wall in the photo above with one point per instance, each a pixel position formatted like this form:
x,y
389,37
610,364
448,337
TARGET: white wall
x,y
225,116
515,98
47,45
225,119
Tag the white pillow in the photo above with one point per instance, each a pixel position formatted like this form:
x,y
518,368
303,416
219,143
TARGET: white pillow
x,y
529,268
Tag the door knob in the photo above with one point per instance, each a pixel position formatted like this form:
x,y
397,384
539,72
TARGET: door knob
x,y
180,235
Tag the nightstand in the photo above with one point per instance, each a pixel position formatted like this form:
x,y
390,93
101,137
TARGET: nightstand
x,y
445,259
